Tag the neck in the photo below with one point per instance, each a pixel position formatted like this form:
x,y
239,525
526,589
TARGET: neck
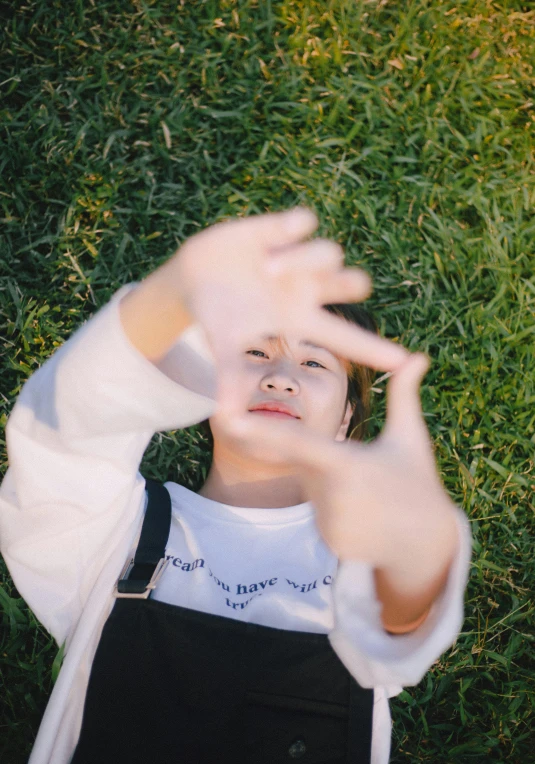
x,y
240,483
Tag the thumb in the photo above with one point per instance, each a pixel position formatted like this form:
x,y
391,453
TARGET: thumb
x,y
287,442
404,416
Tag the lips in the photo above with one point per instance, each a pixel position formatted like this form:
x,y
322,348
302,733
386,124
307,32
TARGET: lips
x,y
275,408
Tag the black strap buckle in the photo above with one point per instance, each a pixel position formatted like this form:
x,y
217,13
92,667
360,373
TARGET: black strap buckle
x,y
142,572
138,589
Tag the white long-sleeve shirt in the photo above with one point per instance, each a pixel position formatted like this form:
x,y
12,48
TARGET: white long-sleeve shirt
x,y
72,503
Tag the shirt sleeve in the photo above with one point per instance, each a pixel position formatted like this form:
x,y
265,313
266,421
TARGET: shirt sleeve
x,y
378,659
73,496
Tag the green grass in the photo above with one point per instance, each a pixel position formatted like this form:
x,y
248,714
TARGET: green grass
x,y
409,128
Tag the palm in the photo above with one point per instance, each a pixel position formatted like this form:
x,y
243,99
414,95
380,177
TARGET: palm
x,y
237,298
371,499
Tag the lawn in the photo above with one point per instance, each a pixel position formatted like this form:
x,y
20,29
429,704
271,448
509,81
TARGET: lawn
x,y
409,128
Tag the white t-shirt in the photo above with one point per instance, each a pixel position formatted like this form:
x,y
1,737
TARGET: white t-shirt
x,y
72,503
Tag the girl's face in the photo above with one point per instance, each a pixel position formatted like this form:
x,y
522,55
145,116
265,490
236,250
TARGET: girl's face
x,y
293,380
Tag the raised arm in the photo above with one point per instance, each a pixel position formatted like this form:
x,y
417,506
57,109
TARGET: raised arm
x,y
403,545
72,498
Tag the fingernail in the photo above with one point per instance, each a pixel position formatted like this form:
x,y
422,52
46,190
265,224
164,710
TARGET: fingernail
x,y
299,218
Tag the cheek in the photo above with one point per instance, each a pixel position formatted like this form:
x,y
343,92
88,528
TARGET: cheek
x,y
327,403
248,379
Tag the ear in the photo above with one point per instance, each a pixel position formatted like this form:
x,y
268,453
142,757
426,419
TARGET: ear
x,y
342,432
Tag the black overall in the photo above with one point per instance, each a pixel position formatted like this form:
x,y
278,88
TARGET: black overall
x,y
171,685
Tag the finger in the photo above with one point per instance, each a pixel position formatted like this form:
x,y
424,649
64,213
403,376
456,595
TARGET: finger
x,y
348,285
277,230
355,343
318,257
319,254
229,396
229,348
404,417
283,442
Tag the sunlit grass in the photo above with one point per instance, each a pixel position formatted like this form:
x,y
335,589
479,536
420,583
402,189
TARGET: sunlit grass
x,y
408,127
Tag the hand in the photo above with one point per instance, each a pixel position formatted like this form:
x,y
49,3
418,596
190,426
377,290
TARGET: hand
x,y
256,276
382,502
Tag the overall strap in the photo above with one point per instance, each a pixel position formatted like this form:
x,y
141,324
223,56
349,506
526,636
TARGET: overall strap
x,y
141,573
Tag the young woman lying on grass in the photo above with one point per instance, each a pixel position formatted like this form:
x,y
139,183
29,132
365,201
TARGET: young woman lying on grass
x,y
309,579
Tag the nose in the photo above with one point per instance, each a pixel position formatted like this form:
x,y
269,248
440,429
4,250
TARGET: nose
x,y
279,380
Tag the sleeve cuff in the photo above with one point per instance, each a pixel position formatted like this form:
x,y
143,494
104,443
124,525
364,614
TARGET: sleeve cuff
x,y
134,394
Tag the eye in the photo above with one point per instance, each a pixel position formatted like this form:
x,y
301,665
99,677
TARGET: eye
x,y
261,354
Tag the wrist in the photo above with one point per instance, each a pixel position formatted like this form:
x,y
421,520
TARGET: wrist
x,y
407,589
153,315
423,554
179,274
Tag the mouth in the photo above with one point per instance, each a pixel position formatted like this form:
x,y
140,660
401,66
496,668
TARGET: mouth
x,y
276,414
274,410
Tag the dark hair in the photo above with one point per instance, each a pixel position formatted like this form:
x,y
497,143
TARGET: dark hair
x,y
359,380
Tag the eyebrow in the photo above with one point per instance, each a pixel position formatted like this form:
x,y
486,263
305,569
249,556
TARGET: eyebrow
x,y
307,343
